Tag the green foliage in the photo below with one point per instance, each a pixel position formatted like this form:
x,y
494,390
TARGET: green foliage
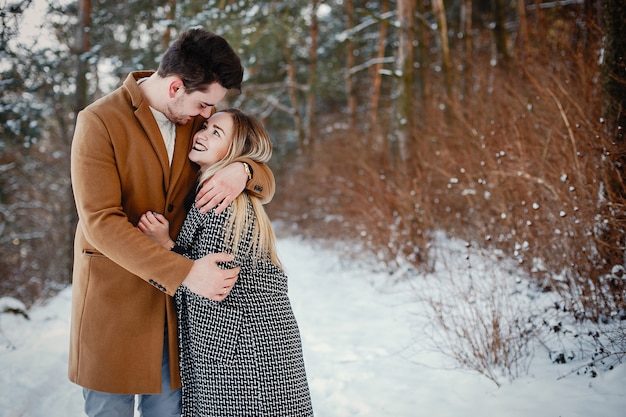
x,y
19,126
513,160
36,212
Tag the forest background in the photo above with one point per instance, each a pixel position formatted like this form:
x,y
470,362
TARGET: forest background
x,y
498,122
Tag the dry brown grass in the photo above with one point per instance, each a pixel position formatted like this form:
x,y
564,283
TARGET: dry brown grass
x,y
520,164
475,323
528,178
345,192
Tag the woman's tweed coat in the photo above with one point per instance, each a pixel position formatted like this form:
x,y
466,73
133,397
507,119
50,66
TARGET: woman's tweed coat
x,y
241,356
122,281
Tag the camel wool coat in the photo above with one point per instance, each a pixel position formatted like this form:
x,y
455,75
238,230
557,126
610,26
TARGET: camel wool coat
x,y
123,282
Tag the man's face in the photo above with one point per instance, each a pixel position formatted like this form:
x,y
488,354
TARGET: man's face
x,y
183,107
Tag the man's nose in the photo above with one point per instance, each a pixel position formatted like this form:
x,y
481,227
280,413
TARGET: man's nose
x,y
206,112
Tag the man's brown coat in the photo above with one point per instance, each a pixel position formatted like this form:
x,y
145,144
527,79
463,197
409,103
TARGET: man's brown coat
x,y
122,281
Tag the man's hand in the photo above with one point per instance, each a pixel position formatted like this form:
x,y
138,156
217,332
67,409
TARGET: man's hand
x,y
221,189
207,279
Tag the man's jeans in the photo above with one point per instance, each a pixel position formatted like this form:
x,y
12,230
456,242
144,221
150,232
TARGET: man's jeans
x,y
166,404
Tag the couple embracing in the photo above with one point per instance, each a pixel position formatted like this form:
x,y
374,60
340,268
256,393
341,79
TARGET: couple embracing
x,y
176,281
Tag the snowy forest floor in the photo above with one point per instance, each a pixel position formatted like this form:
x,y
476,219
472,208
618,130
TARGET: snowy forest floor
x,y
367,346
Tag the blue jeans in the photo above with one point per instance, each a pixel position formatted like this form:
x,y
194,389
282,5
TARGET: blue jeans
x,y
165,404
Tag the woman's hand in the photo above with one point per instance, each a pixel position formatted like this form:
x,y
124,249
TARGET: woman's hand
x,y
156,227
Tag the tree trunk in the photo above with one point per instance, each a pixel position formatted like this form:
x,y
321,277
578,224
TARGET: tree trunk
x,y
293,97
350,91
312,83
499,32
382,39
613,237
614,89
587,35
406,58
540,32
522,30
83,45
166,39
440,15
465,82
422,33
379,142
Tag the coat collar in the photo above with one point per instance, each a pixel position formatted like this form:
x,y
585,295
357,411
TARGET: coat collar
x,y
184,133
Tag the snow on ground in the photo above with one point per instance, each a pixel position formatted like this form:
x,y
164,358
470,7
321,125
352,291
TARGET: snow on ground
x,y
366,349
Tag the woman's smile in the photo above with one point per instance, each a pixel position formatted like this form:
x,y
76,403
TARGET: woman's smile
x,y
198,146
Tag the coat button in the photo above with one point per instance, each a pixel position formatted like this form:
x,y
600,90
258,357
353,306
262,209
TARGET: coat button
x,y
170,208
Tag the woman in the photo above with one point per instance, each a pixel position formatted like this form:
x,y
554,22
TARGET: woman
x,y
240,354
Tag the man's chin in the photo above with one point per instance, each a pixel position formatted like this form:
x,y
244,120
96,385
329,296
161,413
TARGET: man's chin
x,y
181,121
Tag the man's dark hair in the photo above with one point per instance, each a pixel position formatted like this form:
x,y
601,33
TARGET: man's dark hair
x,y
200,57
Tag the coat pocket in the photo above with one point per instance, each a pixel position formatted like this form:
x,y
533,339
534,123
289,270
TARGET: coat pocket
x,y
207,329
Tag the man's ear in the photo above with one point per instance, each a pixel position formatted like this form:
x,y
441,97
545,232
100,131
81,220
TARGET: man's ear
x,y
176,87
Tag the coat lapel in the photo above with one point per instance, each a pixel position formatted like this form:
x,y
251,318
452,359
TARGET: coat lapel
x,y
184,137
148,122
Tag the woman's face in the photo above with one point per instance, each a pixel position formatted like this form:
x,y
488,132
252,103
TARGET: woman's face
x,y
211,144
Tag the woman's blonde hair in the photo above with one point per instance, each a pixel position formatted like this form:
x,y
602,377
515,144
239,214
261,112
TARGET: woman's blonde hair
x,y
250,140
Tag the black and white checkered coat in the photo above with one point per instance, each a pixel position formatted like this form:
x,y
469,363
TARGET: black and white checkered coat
x,y
241,356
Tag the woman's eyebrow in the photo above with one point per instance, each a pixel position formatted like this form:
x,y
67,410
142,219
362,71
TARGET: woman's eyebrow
x,y
219,128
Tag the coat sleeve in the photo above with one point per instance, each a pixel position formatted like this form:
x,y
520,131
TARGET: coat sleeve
x,y
262,184
96,176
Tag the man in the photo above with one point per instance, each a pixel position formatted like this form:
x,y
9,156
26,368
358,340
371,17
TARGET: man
x,y
129,156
